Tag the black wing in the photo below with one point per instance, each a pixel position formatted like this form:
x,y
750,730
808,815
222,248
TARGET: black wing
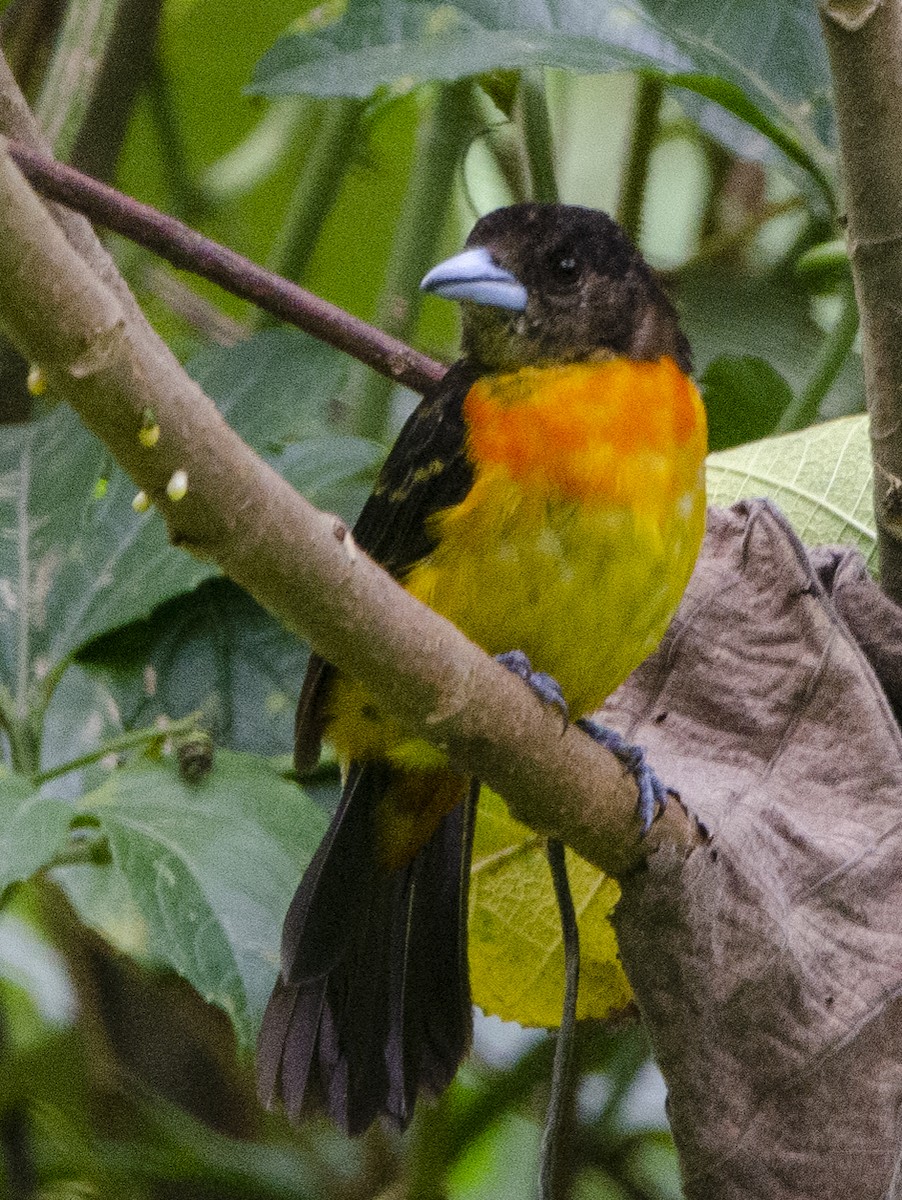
x,y
426,470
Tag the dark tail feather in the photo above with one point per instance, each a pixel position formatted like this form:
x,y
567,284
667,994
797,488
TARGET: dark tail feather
x,y
373,1001
432,1015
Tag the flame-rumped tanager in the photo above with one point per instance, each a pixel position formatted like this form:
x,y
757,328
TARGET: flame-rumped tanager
x,y
547,496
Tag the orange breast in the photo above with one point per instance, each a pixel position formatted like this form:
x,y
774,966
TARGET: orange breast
x,y
620,432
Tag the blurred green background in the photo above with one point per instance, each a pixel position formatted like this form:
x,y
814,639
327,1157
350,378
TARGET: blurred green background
x,y
348,146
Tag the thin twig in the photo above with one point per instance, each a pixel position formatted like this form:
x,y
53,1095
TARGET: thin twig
x,y
186,248
130,740
561,1075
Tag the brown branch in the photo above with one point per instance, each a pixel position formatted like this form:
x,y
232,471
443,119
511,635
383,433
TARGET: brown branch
x,y
864,39
185,248
300,563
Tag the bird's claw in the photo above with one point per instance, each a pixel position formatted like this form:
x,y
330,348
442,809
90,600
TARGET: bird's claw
x,y
652,792
546,687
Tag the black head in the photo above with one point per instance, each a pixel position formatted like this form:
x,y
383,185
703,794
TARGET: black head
x,y
543,283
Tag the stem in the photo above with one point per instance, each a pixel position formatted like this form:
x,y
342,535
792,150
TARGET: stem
x,y
319,181
69,84
15,732
23,592
562,1071
649,98
725,242
123,73
833,353
189,250
496,1095
630,1053
441,139
116,745
719,161
16,1136
537,140
27,33
186,197
864,42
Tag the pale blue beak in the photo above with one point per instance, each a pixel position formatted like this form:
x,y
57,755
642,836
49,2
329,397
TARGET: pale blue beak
x,y
474,275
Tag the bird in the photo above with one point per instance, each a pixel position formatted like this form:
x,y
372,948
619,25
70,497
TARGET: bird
x,y
547,496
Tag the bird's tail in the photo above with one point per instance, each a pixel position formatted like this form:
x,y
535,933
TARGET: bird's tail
x,y
373,1000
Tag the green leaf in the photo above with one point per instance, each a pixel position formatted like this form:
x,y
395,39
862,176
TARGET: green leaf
x,y
72,564
729,96
820,477
76,562
211,867
766,62
334,473
81,715
278,389
516,946
273,388
33,829
825,267
772,51
214,650
744,398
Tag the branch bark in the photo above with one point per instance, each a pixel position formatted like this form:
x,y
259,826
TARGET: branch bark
x,y
864,40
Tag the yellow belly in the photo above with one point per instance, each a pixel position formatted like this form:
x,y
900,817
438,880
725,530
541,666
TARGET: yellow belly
x,y
585,591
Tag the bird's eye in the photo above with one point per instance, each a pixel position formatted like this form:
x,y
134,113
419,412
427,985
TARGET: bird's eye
x,y
563,268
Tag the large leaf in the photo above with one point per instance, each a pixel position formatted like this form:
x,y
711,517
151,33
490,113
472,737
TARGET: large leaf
x,y
215,650
275,387
75,564
33,829
211,867
82,714
516,949
771,54
279,389
821,478
72,564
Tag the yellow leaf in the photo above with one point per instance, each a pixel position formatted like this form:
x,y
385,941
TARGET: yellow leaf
x,y
516,952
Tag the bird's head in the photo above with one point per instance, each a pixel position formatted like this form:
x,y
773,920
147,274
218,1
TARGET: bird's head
x,y
556,283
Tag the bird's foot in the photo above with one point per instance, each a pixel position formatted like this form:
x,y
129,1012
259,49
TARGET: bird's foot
x,y
652,792
545,686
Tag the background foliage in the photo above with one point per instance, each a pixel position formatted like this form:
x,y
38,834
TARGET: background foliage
x,y
348,146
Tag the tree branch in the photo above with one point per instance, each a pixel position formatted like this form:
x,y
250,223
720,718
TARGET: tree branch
x,y
864,40
300,563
